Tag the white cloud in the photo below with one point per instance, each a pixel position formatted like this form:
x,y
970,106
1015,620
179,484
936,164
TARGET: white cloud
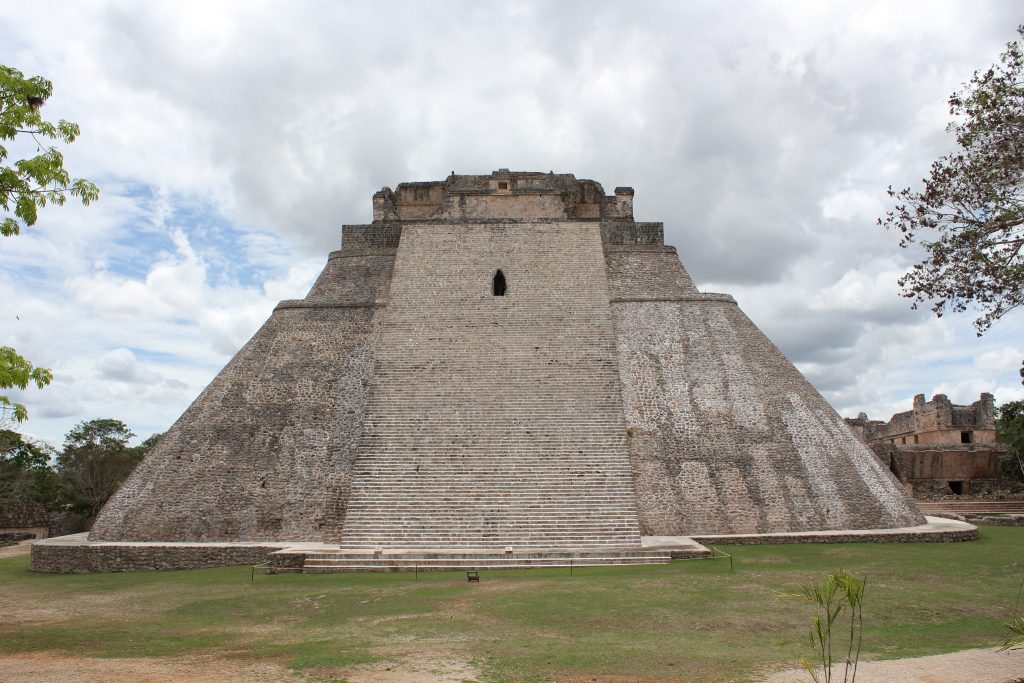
x,y
853,204
999,360
862,291
120,365
231,141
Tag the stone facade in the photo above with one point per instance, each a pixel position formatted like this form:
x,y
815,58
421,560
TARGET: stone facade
x,y
940,448
938,421
33,520
406,403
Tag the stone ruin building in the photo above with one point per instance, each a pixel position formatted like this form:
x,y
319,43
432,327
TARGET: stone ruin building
x,y
505,363
28,521
939,448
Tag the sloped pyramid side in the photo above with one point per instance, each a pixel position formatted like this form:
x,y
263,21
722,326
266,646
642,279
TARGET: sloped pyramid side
x,y
726,435
265,452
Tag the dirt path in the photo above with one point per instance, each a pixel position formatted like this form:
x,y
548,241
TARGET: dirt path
x,y
967,666
41,667
21,548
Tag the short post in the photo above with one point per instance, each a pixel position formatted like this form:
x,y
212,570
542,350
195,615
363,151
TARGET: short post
x,y
570,566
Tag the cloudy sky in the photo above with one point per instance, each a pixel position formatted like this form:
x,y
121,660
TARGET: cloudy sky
x,y
231,141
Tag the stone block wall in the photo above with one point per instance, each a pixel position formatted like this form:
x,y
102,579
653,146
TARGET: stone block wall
x,y
646,273
69,558
933,422
358,279
33,519
622,233
948,462
379,238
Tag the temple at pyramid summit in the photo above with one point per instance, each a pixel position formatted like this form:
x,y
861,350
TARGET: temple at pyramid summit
x,y
498,366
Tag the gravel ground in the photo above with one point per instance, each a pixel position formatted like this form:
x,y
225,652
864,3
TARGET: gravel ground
x,y
42,667
20,548
967,666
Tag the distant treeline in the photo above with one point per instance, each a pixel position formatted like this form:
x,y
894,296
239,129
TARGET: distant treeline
x,y
74,481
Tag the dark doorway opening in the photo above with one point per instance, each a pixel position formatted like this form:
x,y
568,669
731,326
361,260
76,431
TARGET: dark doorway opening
x,y
957,487
965,437
499,284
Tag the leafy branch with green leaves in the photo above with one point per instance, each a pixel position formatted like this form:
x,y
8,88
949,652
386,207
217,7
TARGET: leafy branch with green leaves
x,y
969,218
16,372
30,184
27,185
1010,431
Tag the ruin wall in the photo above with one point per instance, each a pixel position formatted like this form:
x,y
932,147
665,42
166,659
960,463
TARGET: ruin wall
x,y
934,422
952,462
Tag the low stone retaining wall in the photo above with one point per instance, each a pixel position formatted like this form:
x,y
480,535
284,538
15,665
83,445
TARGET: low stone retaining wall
x,y
82,557
986,520
286,561
965,533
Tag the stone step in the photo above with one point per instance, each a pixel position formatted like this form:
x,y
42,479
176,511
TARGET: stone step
x,y
342,561
411,543
525,524
586,519
481,554
438,537
390,531
343,568
486,506
972,506
379,524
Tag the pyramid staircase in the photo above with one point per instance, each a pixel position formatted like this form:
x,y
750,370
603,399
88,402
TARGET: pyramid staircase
x,y
433,501
494,422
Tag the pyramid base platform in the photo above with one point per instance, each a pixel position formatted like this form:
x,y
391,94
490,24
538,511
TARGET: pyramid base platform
x,y
76,554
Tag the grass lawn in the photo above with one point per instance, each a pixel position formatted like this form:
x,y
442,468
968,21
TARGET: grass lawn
x,y
687,620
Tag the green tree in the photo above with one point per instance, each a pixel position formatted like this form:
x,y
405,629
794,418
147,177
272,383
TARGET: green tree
x,y
26,477
95,461
1010,430
27,185
969,218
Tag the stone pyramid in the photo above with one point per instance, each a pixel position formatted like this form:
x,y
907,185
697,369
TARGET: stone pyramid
x,y
504,360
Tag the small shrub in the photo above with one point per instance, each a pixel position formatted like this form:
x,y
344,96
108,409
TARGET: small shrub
x,y
1017,639
838,621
